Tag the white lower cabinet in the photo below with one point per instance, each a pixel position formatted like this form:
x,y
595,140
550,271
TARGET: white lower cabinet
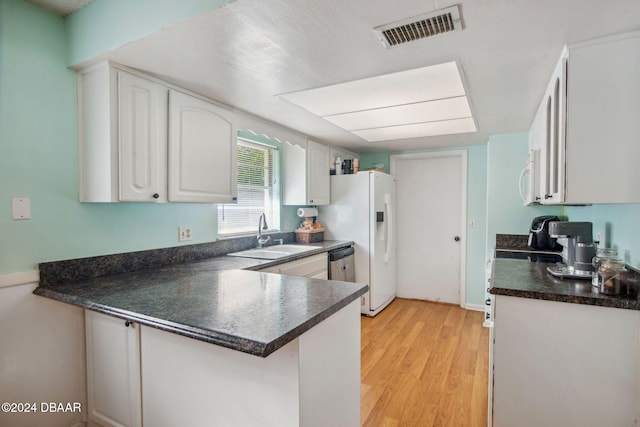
x,y
562,364
144,376
314,267
113,371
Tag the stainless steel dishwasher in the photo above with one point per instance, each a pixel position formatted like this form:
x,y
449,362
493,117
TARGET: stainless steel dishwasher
x,y
342,265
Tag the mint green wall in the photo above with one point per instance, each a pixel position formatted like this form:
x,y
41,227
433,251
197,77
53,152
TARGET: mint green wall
x,y
506,155
476,211
39,158
104,25
618,225
368,160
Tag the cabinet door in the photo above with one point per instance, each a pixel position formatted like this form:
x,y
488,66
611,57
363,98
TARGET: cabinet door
x,y
318,184
202,151
113,371
602,123
554,148
294,175
142,139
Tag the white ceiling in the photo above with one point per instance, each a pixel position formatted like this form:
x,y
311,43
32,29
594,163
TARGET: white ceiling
x,y
249,51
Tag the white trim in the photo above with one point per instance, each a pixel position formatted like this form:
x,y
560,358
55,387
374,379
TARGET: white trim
x,y
474,307
23,278
393,159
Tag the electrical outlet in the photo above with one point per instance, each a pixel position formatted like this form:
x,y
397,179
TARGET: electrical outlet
x,y
185,234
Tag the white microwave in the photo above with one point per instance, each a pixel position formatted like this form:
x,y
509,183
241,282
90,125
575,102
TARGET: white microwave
x,y
530,179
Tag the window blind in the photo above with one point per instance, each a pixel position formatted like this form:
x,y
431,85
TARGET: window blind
x,y
256,191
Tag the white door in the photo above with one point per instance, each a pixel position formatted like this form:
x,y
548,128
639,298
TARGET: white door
x,y
431,211
202,151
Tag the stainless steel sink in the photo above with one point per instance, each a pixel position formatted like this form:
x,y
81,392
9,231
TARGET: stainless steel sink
x,y
275,251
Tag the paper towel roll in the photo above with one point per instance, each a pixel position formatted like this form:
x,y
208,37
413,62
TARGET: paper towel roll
x,y
307,212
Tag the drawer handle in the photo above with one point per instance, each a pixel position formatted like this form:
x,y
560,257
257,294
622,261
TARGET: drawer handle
x,y
487,301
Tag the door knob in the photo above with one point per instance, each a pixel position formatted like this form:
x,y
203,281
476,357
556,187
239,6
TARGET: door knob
x,y
457,238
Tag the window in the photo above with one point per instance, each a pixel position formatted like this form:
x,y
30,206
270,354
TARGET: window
x,y
258,191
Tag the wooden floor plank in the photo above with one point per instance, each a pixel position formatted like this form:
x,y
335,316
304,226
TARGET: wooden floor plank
x,y
424,364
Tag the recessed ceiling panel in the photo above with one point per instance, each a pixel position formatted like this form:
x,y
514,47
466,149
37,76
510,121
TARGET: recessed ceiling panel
x,y
425,101
445,127
429,111
405,87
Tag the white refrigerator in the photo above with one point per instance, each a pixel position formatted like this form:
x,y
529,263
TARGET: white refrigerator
x,y
362,209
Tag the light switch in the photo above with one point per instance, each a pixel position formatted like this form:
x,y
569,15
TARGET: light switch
x,y
21,207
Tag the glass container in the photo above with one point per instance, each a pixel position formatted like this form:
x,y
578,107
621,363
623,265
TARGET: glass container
x,y
612,275
602,254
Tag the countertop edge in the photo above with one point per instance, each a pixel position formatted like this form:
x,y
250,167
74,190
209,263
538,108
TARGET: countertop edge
x,y
571,299
544,287
233,342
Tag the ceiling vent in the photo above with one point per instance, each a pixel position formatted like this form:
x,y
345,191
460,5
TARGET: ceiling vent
x,y
420,27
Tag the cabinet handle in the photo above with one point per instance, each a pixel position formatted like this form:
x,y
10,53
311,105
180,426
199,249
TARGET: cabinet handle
x,y
487,301
457,238
156,196
548,196
310,201
128,323
235,199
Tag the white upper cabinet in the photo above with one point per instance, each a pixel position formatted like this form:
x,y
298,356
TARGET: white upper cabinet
x,y
144,140
306,174
202,146
318,184
591,109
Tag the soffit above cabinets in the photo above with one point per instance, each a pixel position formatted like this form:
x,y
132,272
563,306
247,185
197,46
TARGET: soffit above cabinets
x,y
426,101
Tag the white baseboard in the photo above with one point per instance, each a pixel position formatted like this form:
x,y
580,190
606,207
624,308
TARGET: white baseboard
x,y
474,307
22,278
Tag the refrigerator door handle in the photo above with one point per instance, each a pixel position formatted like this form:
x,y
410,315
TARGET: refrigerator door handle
x,y
389,227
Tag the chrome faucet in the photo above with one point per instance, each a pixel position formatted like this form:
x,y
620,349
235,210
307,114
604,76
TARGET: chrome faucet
x,y
261,221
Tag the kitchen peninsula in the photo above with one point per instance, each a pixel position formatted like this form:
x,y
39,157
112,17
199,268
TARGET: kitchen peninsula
x,y
203,344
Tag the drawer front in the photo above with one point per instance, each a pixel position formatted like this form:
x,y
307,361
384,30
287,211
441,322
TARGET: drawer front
x,y
314,266
305,266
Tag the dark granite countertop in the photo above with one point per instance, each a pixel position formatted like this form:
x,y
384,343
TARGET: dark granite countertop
x,y
212,300
521,278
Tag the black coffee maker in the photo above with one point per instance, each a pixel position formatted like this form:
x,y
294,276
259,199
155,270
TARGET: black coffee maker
x,y
539,237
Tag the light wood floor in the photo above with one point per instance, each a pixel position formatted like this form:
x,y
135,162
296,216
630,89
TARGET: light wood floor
x,y
424,364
